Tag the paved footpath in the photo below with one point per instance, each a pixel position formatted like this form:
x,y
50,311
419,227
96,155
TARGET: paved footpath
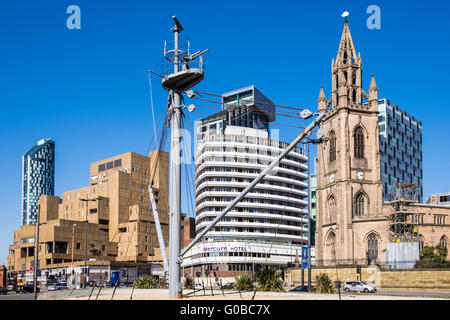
x,y
162,294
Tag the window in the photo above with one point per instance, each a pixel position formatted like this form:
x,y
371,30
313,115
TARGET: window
x,y
78,246
332,208
372,247
331,241
109,165
359,205
443,242
117,163
332,147
421,242
101,167
359,143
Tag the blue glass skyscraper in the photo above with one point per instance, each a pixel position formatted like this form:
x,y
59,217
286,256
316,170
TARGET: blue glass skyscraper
x,y
38,177
401,149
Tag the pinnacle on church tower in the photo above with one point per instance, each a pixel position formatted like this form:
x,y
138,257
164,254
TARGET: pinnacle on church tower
x,y
373,94
322,102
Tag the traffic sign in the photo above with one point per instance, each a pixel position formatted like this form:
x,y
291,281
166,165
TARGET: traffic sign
x,y
304,253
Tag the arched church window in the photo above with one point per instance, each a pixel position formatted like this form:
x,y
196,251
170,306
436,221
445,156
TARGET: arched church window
x,y
354,96
421,242
443,242
359,143
331,243
332,208
359,204
346,77
372,248
332,147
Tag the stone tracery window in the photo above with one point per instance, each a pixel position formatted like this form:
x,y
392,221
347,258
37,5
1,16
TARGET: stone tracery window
x,y
421,242
332,208
443,242
372,247
359,143
331,243
359,204
332,146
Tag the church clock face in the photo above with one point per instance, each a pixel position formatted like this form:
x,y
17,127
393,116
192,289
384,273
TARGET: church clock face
x,y
360,175
332,178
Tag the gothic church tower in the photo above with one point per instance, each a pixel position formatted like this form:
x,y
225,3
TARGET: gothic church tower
x,y
349,188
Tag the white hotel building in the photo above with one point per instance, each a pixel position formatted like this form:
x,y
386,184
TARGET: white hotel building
x,y
270,225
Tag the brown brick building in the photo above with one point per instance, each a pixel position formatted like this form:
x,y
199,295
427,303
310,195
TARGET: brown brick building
x,y
120,224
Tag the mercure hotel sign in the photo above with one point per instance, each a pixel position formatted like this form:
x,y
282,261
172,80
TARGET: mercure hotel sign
x,y
226,248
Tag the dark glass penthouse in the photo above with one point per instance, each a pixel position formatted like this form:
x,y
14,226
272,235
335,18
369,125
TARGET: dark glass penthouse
x,y
38,177
401,149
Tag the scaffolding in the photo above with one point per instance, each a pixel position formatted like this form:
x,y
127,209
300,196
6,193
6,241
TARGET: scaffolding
x,y
404,219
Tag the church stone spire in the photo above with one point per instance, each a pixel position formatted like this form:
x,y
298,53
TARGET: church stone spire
x,y
346,72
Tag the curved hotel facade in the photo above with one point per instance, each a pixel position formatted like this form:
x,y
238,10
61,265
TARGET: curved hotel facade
x,y
270,225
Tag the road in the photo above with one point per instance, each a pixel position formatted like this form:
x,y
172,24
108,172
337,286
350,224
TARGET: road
x,y
415,293
12,295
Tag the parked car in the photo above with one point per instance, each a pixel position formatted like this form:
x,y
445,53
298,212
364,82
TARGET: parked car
x,y
3,290
58,286
91,283
302,289
227,286
358,286
26,287
198,286
125,284
104,284
11,287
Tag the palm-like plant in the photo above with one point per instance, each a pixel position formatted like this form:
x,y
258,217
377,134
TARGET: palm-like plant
x,y
146,282
243,282
324,284
269,280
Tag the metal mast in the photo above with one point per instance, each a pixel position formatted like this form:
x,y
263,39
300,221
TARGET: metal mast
x,y
175,177
177,82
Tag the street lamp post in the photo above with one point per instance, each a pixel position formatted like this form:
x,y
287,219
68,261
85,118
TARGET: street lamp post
x,y
36,253
85,236
316,142
309,220
73,239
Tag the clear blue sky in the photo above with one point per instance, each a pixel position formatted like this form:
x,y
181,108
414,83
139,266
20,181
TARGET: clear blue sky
x,y
88,88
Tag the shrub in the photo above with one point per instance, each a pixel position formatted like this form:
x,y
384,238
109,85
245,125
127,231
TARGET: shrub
x,y
269,280
146,282
324,284
188,283
163,283
243,282
433,257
